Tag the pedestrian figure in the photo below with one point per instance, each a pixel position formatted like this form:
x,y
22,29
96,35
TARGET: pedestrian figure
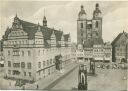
x,y
23,87
37,86
9,83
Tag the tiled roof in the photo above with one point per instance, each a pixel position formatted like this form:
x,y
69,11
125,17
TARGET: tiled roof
x,y
90,42
118,37
31,29
97,41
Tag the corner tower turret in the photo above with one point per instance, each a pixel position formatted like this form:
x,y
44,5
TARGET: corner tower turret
x,y
97,12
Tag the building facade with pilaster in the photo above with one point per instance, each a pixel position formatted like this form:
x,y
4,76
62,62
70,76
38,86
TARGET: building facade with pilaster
x,y
30,49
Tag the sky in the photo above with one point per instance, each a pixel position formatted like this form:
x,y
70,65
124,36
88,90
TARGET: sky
x,y
63,15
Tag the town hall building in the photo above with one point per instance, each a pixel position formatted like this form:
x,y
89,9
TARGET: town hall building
x,y
31,50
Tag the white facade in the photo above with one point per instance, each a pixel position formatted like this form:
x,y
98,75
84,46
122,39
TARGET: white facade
x,y
26,54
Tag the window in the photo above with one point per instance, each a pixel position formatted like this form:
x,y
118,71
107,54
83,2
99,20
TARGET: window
x,y
81,34
9,71
44,71
50,61
16,65
96,24
39,52
81,25
20,42
47,62
29,74
15,42
22,65
16,52
43,63
22,53
29,53
9,63
29,65
16,72
43,51
24,73
26,42
8,52
39,64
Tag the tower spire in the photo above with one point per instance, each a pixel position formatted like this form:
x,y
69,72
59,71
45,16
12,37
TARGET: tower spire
x,y
44,12
82,7
44,20
16,14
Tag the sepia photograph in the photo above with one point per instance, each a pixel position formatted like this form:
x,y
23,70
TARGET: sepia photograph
x,y
64,45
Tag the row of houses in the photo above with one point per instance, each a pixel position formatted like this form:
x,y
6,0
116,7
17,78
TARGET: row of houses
x,y
98,52
117,51
30,50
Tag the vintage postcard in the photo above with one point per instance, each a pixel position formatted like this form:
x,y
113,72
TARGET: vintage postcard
x,y
64,45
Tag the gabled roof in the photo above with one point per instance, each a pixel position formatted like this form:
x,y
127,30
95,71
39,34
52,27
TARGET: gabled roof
x,y
31,29
118,37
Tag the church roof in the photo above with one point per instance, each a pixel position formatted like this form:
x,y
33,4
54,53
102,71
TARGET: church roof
x,y
118,37
90,42
97,41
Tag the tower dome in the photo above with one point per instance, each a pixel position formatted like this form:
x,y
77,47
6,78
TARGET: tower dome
x,y
82,13
96,12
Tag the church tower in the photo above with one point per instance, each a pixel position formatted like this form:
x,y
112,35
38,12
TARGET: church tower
x,y
97,23
81,26
45,22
